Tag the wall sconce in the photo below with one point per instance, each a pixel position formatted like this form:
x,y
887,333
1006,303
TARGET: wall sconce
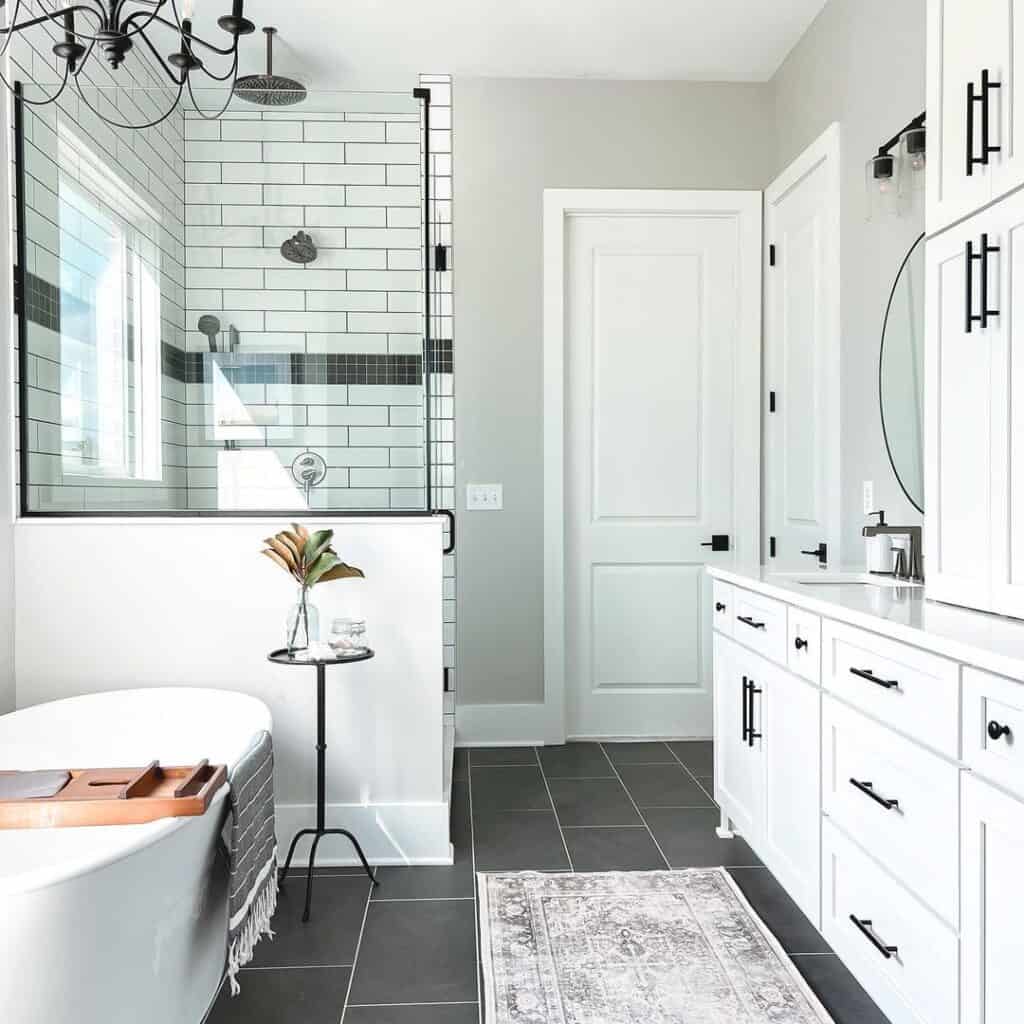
x,y
897,170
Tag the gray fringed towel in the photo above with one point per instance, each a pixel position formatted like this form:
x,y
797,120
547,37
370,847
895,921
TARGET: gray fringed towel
x,y
252,855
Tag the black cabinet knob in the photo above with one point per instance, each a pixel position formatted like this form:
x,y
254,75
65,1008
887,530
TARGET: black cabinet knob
x,y
997,731
800,643
719,607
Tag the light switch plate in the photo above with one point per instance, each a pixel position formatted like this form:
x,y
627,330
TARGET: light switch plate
x,y
483,497
869,496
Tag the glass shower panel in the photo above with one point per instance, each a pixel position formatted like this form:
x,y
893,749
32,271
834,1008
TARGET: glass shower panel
x,y
225,316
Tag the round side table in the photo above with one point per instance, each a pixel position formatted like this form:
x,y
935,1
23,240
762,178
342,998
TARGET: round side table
x,y
282,657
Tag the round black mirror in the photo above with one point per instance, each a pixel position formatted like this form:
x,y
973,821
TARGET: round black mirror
x,y
901,375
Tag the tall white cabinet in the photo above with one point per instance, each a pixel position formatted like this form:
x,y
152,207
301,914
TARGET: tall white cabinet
x,y
974,358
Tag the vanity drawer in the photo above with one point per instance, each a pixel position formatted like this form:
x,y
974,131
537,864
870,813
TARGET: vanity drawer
x,y
760,623
912,691
721,607
915,979
996,704
895,799
803,644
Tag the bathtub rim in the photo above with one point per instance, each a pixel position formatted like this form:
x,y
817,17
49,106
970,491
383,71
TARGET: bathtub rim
x,y
135,838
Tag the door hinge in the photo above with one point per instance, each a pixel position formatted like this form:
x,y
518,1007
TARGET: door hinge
x,y
440,258
16,293
446,686
771,547
771,401
771,255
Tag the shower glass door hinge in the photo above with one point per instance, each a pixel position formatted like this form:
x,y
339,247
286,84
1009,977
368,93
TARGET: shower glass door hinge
x,y
446,682
440,257
17,292
771,401
771,547
771,255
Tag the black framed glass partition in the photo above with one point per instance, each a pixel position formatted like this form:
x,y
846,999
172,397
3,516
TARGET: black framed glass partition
x,y
230,316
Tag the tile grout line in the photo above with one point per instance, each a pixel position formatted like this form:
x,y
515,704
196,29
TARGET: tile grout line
x,y
355,955
476,901
636,806
554,810
710,796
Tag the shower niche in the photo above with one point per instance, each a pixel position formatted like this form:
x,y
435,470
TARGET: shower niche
x,y
228,316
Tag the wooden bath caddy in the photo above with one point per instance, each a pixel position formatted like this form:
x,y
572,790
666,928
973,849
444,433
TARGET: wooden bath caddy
x,y
119,796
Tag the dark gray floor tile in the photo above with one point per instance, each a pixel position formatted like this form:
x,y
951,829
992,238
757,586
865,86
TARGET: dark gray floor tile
x,y
575,761
519,841
839,991
312,995
461,1013
460,765
697,755
663,785
440,882
592,802
613,849
417,952
689,841
508,789
654,752
330,935
784,918
479,756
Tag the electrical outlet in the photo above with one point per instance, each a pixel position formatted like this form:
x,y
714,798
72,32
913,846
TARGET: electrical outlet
x,y
869,496
484,497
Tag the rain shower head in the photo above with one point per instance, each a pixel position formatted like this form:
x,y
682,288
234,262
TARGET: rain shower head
x,y
270,90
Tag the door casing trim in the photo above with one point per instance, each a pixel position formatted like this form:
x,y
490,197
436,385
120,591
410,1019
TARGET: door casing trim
x,y
559,206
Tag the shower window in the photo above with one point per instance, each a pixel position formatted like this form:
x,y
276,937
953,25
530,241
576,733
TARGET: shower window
x,y
227,317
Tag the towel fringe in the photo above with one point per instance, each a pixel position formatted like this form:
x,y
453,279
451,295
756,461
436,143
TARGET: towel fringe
x,y
257,924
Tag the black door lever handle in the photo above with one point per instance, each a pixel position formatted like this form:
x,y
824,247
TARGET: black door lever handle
x,y
820,552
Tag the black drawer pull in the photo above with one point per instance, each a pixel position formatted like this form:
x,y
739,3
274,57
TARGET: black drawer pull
x,y
866,673
746,706
800,643
748,621
996,730
719,607
864,927
868,789
751,735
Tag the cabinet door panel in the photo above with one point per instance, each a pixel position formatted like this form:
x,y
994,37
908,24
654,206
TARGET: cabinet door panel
x,y
992,940
791,755
958,387
737,781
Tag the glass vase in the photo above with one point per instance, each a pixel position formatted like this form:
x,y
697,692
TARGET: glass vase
x,y
303,624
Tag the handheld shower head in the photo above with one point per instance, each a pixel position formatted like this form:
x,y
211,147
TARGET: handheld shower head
x,y
210,326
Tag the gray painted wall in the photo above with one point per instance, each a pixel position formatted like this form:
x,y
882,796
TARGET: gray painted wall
x,y
514,138
862,63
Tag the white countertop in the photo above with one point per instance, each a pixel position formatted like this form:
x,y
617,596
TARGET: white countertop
x,y
990,642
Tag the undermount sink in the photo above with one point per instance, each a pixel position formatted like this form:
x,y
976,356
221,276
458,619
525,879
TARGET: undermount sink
x,y
847,579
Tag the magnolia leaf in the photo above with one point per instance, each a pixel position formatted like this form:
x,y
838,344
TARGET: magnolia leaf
x,y
300,531
341,572
283,550
324,563
285,538
317,544
275,557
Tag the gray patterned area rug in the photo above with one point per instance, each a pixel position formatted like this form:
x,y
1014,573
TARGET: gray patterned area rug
x,y
643,947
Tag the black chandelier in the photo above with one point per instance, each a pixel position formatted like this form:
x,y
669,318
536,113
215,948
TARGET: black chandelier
x,y
112,28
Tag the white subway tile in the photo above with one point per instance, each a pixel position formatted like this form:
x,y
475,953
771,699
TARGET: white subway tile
x,y
405,217
406,456
305,278
397,477
385,238
202,172
398,131
202,130
273,174
214,277
305,152
386,153
203,256
265,300
344,131
226,236
242,195
253,257
204,299
403,174
305,195
346,343
401,323
363,302
348,415
302,321
311,394
194,215
344,174
385,394
223,152
346,216
397,437
383,195
262,215
405,259
404,415
405,344
385,280
262,131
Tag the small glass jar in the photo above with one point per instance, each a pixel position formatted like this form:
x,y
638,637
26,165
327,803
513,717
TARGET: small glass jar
x,y
348,636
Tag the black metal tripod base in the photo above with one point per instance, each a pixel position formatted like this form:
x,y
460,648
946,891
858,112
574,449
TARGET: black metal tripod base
x,y
318,834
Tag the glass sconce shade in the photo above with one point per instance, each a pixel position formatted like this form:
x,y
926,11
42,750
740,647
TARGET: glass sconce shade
x,y
912,157
882,178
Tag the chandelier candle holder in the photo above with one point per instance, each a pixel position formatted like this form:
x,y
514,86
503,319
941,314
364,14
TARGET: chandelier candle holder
x,y
110,29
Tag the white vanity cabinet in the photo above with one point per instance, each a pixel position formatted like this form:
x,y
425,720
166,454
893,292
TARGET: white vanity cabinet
x,y
882,782
973,45
974,410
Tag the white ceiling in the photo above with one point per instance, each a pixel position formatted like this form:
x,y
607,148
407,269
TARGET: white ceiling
x,y
334,42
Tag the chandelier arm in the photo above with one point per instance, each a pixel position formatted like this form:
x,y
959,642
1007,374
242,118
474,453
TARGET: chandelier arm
x,y
7,32
51,16
84,58
233,70
231,93
175,80
41,103
124,124
192,38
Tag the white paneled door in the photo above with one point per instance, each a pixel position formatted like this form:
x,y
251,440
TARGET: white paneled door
x,y
801,359
656,303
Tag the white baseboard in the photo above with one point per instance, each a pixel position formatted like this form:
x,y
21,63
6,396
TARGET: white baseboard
x,y
390,834
503,725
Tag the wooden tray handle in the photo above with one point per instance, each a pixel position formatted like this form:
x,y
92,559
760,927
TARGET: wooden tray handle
x,y
136,783
192,778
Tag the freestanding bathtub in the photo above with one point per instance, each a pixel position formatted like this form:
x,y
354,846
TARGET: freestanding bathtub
x,y
122,924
